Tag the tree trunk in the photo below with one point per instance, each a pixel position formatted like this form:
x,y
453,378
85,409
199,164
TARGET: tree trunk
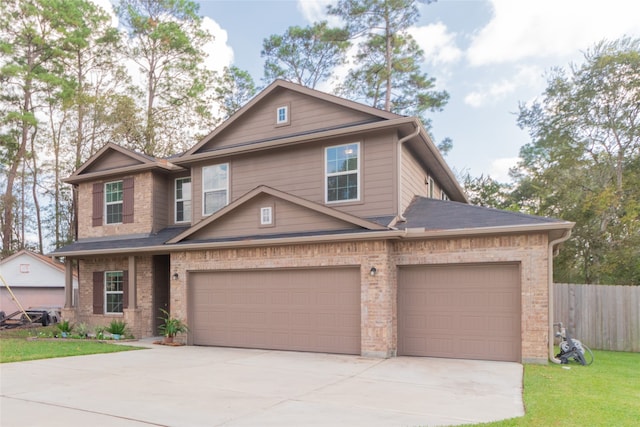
x,y
34,192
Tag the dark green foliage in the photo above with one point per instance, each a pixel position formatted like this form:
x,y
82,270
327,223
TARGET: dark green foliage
x,y
583,163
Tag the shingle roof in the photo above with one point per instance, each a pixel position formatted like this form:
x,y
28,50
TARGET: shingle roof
x,y
434,214
133,242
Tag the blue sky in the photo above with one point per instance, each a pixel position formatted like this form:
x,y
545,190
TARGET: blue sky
x,y
490,55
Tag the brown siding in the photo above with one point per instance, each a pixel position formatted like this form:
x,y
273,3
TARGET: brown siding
x,y
413,178
306,114
111,160
161,195
299,170
289,218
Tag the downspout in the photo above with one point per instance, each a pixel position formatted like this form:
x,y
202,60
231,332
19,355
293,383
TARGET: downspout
x,y
553,243
399,156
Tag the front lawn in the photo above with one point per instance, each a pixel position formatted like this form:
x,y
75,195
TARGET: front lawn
x,y
607,393
18,345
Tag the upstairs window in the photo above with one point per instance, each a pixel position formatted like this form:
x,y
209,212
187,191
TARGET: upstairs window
x,y
282,115
266,215
215,188
183,200
113,202
113,196
342,172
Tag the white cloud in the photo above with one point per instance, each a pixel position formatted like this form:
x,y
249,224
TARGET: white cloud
x,y
550,28
499,169
529,77
219,53
437,43
316,10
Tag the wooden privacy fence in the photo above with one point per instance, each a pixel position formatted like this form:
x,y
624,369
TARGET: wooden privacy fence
x,y
603,317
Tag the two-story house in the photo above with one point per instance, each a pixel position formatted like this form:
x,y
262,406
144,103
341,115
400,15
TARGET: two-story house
x,y
309,222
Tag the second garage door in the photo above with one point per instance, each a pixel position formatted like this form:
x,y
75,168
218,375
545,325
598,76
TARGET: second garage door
x,y
286,309
468,311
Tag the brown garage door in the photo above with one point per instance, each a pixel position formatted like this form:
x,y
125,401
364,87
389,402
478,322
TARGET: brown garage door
x,y
285,309
467,311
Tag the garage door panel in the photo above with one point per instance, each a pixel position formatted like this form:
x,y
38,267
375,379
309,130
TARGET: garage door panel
x,y
461,311
307,310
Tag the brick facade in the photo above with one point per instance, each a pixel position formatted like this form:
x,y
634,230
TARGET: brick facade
x,y
142,219
141,319
379,292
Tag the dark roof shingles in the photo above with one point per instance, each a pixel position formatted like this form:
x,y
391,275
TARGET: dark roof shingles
x,y
434,214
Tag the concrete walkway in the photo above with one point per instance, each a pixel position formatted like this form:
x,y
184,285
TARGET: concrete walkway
x,y
204,386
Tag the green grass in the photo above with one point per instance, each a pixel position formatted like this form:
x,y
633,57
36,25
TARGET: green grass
x,y
607,393
15,345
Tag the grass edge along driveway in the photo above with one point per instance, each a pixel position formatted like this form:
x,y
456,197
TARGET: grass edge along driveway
x,y
21,349
607,393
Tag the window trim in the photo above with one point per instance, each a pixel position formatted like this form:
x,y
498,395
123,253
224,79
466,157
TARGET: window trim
x,y
176,200
105,292
261,216
432,189
120,202
287,112
357,172
207,190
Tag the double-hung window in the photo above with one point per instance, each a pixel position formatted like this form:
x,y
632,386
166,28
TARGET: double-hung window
x,y
215,188
342,172
183,200
113,292
113,202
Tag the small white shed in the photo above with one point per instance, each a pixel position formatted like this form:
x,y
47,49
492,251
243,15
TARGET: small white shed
x,y
36,281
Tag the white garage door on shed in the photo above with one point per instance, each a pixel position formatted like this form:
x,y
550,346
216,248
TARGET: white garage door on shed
x,y
466,311
281,309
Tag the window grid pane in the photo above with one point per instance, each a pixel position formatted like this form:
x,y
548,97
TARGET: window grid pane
x,y
214,188
114,295
113,195
183,199
342,172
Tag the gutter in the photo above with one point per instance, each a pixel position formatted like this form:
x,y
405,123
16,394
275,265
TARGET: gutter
x,y
553,243
399,156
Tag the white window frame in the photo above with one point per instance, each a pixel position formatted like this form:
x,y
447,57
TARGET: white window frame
x,y
206,190
183,200
106,293
266,215
432,188
285,120
443,196
327,175
118,202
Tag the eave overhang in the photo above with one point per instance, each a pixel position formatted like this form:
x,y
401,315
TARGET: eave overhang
x,y
556,228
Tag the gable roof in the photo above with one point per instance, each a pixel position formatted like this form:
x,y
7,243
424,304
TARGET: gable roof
x,y
282,84
434,214
263,189
38,257
136,162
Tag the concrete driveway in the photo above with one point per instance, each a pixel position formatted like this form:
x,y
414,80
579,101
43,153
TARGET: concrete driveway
x,y
202,386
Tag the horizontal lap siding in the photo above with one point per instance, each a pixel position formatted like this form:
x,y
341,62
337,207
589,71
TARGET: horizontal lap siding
x,y
413,178
289,218
299,170
306,114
